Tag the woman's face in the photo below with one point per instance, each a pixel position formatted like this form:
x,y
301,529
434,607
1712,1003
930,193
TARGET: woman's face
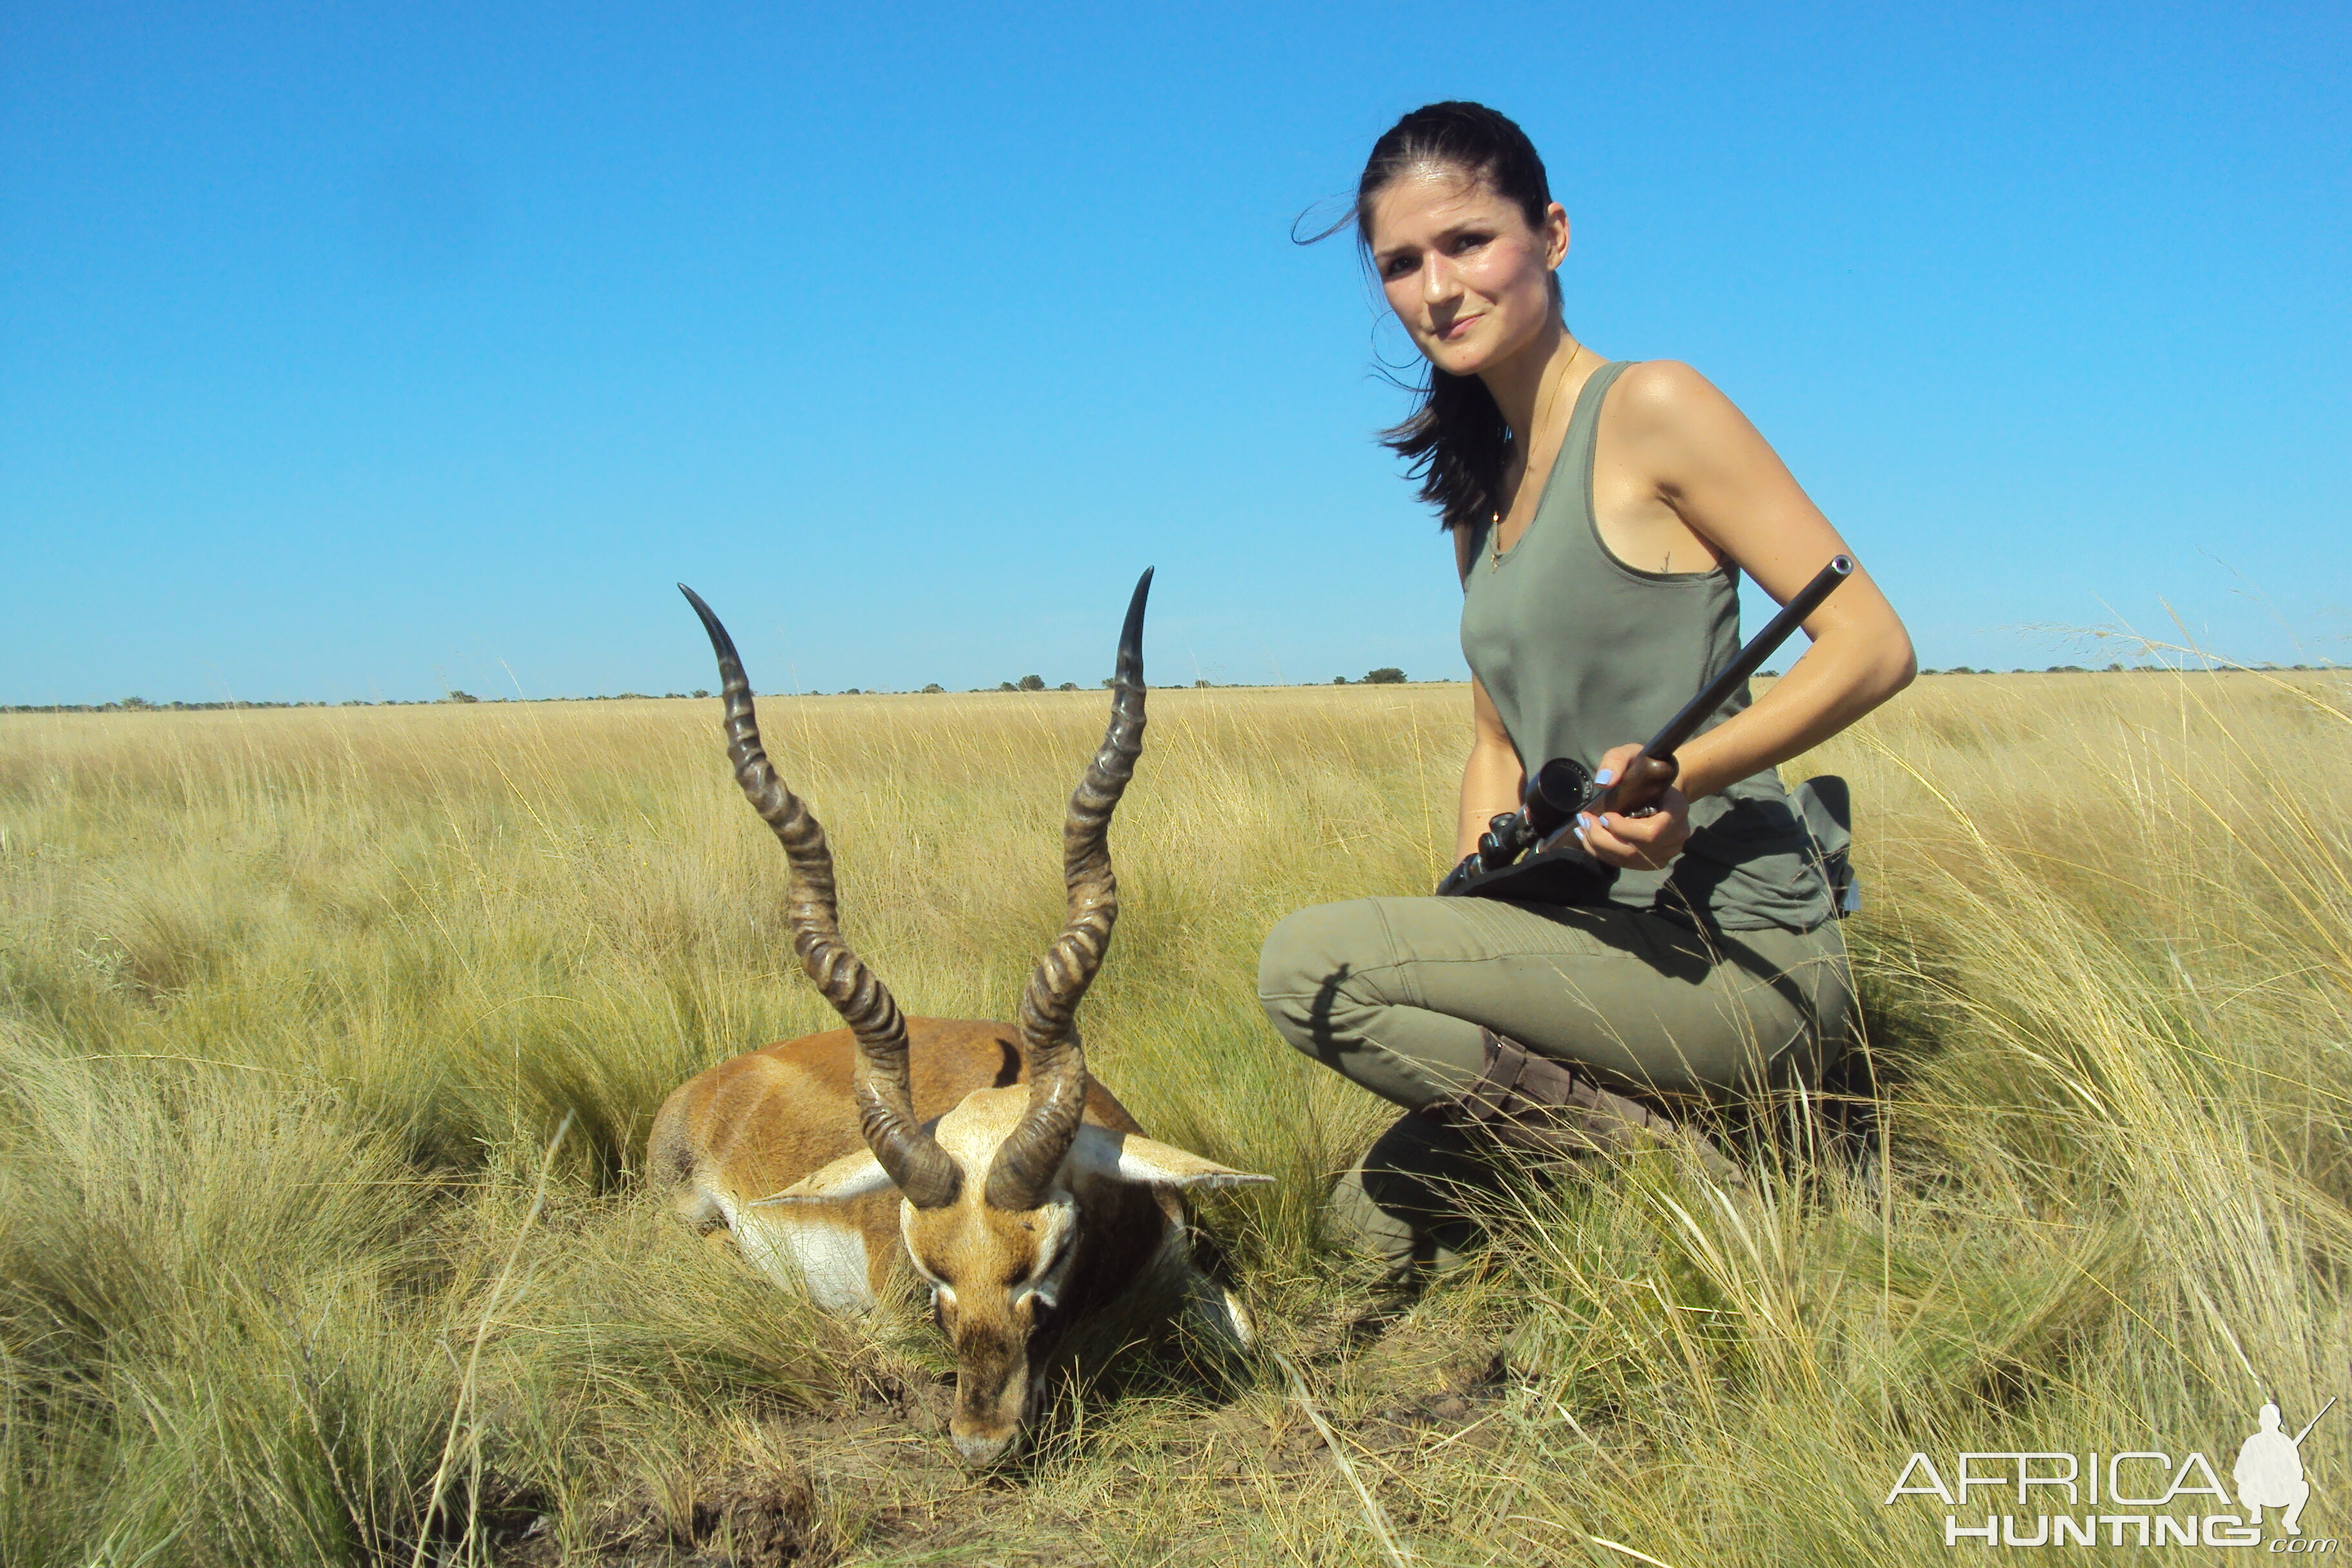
x,y
1462,270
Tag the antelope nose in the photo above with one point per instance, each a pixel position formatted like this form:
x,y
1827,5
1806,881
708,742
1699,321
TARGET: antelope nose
x,y
978,1451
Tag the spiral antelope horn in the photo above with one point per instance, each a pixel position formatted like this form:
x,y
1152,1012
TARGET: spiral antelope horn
x,y
1026,1162
926,1175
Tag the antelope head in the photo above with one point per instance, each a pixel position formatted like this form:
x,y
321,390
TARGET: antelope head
x,y
1013,1209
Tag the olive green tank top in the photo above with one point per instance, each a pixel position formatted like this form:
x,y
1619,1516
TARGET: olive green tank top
x,y
1580,652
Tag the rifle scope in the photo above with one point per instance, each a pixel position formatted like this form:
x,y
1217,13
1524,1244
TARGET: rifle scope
x,y
1562,788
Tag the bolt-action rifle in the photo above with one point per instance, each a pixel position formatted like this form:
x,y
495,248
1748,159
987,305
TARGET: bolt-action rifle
x,y
1530,854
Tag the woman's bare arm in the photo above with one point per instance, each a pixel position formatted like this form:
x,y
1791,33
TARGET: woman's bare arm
x,y
1705,462
1491,780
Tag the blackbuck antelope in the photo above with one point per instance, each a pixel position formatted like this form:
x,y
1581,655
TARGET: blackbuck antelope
x,y
1032,1203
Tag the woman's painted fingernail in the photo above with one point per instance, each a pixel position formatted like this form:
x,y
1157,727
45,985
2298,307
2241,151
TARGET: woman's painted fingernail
x,y
1582,823
1605,776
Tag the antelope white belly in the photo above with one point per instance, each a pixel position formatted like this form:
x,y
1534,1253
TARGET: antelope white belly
x,y
812,1250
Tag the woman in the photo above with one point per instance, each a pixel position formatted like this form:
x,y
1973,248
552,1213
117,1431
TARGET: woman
x,y
1601,514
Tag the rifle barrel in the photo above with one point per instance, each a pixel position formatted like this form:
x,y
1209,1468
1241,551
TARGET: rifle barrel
x,y
1749,660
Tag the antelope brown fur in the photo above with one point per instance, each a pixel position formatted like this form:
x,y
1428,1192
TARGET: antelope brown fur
x,y
983,1154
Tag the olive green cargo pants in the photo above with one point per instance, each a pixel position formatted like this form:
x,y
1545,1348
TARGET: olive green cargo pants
x,y
1393,993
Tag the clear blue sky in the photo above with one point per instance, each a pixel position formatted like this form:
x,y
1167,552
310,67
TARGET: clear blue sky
x,y
365,351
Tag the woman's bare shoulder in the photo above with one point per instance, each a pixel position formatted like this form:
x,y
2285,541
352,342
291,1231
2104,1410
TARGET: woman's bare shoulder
x,y
1666,390
1667,411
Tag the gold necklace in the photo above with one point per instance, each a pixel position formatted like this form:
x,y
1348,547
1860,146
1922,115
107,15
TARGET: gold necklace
x,y
1543,404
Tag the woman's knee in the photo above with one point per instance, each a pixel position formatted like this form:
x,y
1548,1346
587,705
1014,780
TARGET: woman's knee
x,y
1307,959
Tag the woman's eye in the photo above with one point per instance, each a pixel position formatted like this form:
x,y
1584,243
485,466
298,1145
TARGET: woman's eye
x,y
1463,242
1399,266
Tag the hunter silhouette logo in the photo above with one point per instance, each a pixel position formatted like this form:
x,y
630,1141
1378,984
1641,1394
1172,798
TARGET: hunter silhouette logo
x,y
2138,1499
2269,1471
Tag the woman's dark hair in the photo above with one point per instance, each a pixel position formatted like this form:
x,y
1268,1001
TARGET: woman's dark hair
x,y
1455,439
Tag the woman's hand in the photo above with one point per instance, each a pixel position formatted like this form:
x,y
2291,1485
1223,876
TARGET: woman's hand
x,y
1635,843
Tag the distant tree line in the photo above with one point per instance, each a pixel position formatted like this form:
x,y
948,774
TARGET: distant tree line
x,y
139,705
1387,675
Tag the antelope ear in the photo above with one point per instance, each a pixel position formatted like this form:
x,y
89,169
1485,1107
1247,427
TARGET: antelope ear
x,y
851,1177
1131,1157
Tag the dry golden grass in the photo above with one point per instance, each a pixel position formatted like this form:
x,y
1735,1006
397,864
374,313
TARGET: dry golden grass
x,y
290,1003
